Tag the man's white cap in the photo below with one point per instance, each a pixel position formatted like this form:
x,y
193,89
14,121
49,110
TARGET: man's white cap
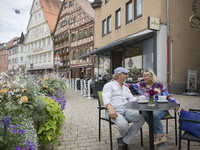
x,y
121,70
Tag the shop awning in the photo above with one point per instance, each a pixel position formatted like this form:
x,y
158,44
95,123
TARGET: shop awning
x,y
124,41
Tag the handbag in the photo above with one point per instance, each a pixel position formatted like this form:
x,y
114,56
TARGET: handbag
x,y
190,127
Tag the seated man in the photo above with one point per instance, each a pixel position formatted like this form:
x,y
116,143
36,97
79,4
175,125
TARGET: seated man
x,y
115,95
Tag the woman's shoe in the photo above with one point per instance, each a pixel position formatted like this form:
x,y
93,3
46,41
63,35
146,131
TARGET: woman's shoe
x,y
159,138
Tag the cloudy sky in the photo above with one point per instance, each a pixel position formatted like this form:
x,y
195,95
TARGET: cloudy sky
x,y
12,24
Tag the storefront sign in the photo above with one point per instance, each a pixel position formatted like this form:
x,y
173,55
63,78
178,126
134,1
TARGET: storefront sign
x,y
153,23
192,79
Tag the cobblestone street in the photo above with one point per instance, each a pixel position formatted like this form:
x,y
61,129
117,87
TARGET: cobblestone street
x,y
80,132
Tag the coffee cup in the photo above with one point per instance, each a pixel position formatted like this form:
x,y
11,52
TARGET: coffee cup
x,y
162,98
142,98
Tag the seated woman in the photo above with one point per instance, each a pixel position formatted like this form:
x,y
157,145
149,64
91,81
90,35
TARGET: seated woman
x,y
142,88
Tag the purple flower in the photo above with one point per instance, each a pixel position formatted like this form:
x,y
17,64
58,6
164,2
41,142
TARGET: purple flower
x,y
30,147
24,148
14,131
14,126
18,147
151,92
146,94
20,131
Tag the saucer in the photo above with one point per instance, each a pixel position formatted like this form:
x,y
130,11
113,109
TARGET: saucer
x,y
142,102
162,101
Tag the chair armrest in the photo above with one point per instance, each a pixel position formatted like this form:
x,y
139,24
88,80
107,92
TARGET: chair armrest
x,y
194,121
102,108
194,110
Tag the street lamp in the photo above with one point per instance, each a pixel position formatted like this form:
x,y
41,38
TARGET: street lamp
x,y
15,10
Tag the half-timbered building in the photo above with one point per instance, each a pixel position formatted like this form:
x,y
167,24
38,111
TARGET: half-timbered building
x,y
73,37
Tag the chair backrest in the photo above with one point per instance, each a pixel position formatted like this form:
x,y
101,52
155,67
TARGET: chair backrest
x,y
100,99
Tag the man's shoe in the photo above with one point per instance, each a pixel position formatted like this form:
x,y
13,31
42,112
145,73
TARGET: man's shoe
x,y
159,139
121,144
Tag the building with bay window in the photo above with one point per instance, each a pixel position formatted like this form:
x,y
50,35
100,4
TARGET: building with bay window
x,y
73,37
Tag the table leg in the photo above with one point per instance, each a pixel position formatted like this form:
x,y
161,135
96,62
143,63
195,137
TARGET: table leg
x,y
151,135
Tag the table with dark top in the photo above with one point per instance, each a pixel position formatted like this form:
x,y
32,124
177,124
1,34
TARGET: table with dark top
x,y
144,107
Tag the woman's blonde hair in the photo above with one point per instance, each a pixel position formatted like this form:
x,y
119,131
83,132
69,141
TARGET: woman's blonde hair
x,y
151,73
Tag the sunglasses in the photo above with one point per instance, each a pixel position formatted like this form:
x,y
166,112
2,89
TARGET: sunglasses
x,y
146,70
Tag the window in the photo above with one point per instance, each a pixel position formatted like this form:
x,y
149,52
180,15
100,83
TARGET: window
x,y
74,55
80,35
85,33
65,6
40,59
36,59
63,23
104,26
70,3
49,56
73,37
91,31
109,24
21,58
44,58
129,12
137,9
44,42
118,19
72,20
67,37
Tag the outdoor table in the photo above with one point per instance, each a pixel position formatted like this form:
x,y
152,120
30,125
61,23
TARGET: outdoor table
x,y
144,107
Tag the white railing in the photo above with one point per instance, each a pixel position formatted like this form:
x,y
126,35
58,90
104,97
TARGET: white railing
x,y
76,83
88,86
85,88
82,87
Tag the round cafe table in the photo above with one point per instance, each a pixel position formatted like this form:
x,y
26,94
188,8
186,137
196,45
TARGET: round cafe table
x,y
144,107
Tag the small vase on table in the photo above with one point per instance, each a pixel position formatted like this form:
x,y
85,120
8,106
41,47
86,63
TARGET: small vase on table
x,y
151,101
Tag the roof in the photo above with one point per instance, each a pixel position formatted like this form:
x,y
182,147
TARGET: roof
x,y
96,3
123,41
10,43
86,6
51,9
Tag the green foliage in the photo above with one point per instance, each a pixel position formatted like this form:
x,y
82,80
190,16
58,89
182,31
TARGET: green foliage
x,y
49,131
10,140
40,114
32,86
135,73
52,83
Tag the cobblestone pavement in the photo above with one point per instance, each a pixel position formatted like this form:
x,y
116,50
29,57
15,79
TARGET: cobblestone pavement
x,y
80,131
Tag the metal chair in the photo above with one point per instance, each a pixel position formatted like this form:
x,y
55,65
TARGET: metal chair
x,y
102,107
187,136
166,118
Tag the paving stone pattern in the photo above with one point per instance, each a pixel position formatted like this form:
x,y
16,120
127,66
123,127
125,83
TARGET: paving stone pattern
x,y
80,131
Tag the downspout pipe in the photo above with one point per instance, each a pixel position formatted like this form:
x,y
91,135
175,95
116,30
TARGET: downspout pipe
x,y
168,48
171,66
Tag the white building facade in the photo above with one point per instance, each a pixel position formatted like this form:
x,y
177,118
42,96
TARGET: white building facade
x,y
17,55
38,42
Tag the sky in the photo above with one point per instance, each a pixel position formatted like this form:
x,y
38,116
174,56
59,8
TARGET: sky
x,y
12,24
